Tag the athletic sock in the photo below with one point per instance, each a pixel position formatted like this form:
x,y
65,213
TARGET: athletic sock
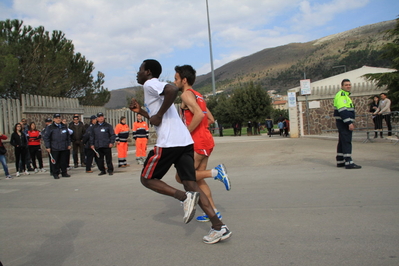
x,y
180,195
214,172
216,223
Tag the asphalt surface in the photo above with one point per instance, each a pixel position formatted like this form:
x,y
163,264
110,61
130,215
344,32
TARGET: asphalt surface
x,y
289,205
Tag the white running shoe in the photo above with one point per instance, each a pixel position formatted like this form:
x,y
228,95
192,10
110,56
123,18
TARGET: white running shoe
x,y
9,177
18,174
36,170
43,170
215,236
189,206
26,172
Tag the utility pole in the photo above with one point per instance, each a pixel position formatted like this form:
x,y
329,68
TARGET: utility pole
x,y
210,50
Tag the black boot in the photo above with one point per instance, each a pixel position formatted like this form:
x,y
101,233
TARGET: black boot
x,y
381,134
375,135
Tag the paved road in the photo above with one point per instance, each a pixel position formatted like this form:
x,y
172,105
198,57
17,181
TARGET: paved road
x,y
289,205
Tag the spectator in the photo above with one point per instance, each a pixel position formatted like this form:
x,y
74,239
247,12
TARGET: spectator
x,y
286,127
70,131
280,126
20,143
25,128
269,126
48,122
86,140
102,139
78,129
140,135
377,118
384,109
58,143
122,134
3,156
35,151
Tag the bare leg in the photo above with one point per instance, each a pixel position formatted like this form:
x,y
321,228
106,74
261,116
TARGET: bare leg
x,y
159,186
200,164
204,203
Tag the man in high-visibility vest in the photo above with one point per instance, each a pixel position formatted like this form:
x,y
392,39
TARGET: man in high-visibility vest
x,y
344,114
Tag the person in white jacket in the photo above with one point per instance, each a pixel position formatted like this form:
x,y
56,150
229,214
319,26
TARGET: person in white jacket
x,y
384,109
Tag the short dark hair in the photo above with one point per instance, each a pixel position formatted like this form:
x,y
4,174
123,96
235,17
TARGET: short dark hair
x,y
122,117
154,66
343,81
187,72
383,93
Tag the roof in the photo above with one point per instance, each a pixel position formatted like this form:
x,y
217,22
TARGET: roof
x,y
279,102
355,76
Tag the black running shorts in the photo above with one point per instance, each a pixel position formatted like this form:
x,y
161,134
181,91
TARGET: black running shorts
x,y
159,161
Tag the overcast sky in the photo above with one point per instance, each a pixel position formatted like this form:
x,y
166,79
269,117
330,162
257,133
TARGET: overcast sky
x,y
117,35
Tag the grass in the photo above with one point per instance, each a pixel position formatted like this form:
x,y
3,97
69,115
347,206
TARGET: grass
x,y
230,132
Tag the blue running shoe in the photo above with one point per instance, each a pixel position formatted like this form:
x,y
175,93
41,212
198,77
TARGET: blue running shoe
x,y
204,218
222,176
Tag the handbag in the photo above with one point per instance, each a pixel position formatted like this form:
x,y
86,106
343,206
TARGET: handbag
x,y
3,150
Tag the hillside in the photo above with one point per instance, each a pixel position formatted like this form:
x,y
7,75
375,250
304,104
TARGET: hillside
x,y
119,98
280,68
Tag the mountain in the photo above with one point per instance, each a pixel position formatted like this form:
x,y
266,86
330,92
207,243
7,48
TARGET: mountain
x,y
280,68
119,98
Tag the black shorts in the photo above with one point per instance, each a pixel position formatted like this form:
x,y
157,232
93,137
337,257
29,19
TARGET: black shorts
x,y
160,160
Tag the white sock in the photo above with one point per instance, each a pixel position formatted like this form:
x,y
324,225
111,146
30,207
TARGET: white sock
x,y
214,172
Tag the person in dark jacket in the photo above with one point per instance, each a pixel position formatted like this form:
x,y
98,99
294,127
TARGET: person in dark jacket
x,y
377,118
20,143
78,129
269,126
58,143
86,141
48,122
102,139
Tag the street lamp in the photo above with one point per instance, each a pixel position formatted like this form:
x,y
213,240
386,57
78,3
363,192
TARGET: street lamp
x,y
210,50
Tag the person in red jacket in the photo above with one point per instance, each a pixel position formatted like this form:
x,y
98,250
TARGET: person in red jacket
x,y
140,135
35,151
122,134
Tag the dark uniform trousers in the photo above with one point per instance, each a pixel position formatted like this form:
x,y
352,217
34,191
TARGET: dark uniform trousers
x,y
61,161
90,155
344,147
107,153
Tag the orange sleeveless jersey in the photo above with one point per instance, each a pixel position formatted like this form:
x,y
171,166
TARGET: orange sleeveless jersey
x,y
202,137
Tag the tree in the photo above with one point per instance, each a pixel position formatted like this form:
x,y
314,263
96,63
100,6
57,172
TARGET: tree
x,y
248,103
34,62
96,95
391,80
251,103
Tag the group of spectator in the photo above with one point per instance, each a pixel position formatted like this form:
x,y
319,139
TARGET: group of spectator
x,y
283,125
380,108
89,142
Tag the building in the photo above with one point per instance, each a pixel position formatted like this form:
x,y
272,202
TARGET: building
x,y
314,114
